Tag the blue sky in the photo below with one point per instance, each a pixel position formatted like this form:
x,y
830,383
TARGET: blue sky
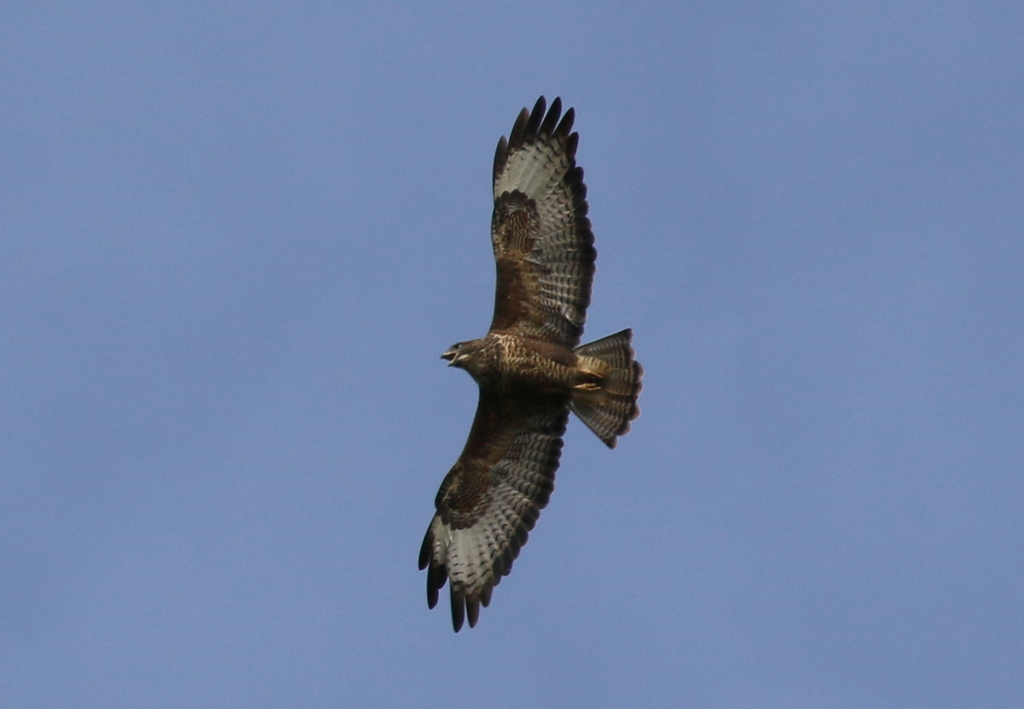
x,y
236,237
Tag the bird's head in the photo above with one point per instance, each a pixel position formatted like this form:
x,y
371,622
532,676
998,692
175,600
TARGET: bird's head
x,y
467,355
456,355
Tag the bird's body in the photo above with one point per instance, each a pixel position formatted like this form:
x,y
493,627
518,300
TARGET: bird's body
x,y
506,362
530,368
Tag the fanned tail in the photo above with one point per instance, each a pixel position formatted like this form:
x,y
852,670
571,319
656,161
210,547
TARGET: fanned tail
x,y
607,402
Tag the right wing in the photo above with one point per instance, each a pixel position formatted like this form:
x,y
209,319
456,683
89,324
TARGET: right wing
x,y
543,245
491,498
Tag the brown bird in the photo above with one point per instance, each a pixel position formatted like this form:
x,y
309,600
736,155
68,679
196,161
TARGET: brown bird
x,y
530,367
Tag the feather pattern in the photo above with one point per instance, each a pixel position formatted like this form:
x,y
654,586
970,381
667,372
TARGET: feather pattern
x,y
543,243
491,498
608,410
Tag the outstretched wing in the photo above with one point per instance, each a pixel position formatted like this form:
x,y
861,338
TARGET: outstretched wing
x,y
543,244
491,498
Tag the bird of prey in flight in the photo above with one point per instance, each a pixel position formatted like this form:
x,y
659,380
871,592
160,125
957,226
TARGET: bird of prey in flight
x,y
530,367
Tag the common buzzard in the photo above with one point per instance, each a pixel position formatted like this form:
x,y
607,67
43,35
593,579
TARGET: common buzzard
x,y
530,367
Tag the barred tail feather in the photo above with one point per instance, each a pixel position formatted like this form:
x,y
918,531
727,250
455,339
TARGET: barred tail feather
x,y
608,407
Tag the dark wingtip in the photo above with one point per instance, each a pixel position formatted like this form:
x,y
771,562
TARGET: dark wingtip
x,y
566,124
458,609
536,118
539,108
515,138
551,120
500,157
436,577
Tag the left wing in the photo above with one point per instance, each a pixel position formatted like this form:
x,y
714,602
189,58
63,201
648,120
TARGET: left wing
x,y
543,244
491,498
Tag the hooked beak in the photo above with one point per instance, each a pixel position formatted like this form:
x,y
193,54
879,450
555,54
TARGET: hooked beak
x,y
450,356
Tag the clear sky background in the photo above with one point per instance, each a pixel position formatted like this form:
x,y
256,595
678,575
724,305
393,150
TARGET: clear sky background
x,y
235,238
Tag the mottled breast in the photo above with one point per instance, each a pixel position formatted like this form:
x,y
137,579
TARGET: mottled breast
x,y
533,364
